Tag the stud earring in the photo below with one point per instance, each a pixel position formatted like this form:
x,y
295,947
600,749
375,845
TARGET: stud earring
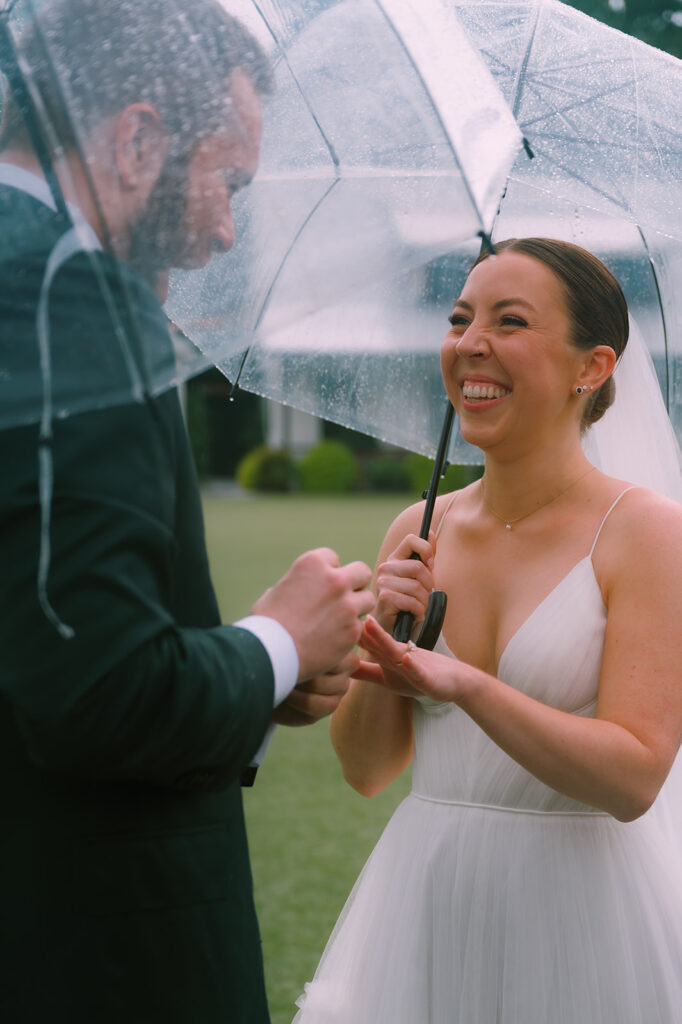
x,y
585,387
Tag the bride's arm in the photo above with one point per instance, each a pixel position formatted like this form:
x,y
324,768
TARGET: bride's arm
x,y
617,761
371,730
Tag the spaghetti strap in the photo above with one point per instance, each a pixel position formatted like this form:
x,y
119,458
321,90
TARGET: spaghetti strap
x,y
608,513
447,509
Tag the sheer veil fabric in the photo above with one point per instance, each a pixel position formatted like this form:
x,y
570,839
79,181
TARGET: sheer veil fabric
x,y
491,898
635,439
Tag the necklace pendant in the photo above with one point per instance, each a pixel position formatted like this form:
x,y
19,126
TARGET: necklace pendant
x,y
507,526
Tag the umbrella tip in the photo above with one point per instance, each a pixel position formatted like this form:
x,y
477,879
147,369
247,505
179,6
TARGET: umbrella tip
x,y
487,244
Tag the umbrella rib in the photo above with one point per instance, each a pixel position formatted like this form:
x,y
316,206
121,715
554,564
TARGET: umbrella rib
x,y
335,161
664,322
603,145
517,92
521,71
617,200
636,153
138,377
332,152
336,164
652,265
535,85
435,109
42,152
275,278
19,87
577,104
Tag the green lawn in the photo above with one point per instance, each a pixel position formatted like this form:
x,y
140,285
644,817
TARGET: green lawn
x,y
309,832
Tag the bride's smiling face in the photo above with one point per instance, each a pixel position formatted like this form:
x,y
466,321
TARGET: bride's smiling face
x,y
508,363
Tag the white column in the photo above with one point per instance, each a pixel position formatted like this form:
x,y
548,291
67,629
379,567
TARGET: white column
x,y
291,429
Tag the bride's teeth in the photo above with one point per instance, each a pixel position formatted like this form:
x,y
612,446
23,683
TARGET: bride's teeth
x,y
484,391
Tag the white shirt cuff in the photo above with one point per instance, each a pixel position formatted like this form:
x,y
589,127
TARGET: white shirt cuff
x,y
259,756
283,655
281,649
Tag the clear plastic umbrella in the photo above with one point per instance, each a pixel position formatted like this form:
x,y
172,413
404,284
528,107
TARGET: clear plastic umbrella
x,y
599,111
377,160
398,133
601,165
392,138
386,146
381,152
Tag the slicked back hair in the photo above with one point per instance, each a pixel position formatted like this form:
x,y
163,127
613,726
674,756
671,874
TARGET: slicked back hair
x,y
175,55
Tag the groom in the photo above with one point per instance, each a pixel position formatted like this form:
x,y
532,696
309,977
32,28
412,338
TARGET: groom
x,y
128,713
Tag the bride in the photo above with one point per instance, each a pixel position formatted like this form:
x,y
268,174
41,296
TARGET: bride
x,y
534,873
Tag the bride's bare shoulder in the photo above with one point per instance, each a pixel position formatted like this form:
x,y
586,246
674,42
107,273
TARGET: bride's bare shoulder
x,y
643,529
638,506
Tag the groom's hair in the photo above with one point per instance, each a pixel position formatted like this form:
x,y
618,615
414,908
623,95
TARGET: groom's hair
x,y
89,59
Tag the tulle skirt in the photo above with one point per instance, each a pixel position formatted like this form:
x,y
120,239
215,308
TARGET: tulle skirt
x,y
476,915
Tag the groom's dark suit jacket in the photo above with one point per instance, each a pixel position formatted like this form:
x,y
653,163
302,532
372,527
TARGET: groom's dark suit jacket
x,y
125,887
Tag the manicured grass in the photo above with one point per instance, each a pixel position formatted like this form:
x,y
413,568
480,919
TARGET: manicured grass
x,y
309,832
253,540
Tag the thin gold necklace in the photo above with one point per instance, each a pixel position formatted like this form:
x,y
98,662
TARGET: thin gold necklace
x,y
508,523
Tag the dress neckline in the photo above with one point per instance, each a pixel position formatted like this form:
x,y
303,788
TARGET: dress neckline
x,y
531,615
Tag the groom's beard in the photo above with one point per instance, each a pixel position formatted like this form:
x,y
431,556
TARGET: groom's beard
x,y
158,237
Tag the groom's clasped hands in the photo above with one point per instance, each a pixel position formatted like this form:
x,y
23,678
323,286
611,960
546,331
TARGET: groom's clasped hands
x,y
322,605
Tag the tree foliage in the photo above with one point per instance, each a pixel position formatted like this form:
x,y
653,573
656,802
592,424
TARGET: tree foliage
x,y
657,22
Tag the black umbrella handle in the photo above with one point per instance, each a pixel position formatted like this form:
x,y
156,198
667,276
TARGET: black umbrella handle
x,y
432,625
435,612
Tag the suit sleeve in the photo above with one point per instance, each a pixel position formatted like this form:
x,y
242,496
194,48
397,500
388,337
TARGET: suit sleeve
x,y
151,687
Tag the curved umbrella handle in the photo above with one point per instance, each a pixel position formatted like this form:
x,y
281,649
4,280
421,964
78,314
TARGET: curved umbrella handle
x,y
433,620
431,626
435,611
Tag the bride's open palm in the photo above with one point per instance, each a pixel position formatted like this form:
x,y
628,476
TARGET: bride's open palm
x,y
408,670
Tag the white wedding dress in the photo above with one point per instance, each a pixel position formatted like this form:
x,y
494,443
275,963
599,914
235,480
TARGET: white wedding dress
x,y
491,898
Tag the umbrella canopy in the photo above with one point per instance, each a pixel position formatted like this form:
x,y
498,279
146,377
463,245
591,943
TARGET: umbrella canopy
x,y
600,111
379,155
386,145
601,165
391,140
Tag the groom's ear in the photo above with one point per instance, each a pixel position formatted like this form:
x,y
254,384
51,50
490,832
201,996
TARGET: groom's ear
x,y
141,145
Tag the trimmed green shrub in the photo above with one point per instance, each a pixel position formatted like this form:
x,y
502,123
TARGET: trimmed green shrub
x,y
267,469
328,468
420,468
359,443
387,474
